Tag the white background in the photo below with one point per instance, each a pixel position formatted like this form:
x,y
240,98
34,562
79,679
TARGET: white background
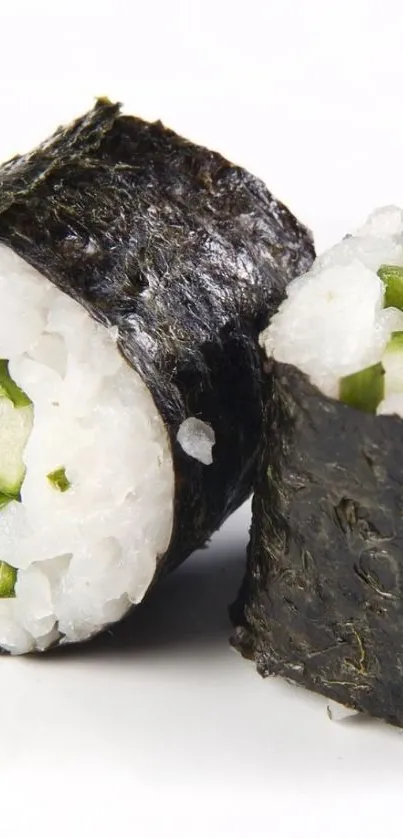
x,y
164,730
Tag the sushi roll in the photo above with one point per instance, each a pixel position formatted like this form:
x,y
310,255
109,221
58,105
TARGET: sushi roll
x,y
322,601
135,272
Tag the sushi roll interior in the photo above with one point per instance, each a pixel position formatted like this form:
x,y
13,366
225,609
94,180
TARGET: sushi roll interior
x,y
342,322
86,473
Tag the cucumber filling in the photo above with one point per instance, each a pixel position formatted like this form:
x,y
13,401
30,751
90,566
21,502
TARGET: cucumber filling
x,y
8,578
59,480
367,388
392,278
16,419
363,390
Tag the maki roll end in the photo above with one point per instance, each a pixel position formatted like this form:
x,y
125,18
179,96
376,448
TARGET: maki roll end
x,y
87,478
322,601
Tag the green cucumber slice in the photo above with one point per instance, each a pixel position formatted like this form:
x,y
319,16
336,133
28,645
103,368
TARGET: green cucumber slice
x,y
9,389
392,277
392,361
16,419
363,390
59,480
8,578
15,428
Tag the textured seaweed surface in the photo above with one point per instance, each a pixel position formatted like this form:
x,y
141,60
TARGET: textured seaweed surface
x,y
186,254
322,602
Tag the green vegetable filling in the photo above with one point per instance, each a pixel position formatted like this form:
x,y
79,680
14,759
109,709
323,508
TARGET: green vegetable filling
x,y
16,416
363,390
396,342
392,277
5,499
9,389
59,480
8,578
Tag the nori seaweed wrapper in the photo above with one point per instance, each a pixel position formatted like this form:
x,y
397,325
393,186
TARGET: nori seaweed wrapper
x,y
322,600
185,253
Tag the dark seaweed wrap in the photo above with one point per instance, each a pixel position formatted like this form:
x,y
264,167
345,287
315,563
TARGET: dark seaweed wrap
x,y
322,601
184,253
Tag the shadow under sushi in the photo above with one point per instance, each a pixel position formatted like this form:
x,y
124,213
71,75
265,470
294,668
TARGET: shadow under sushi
x,y
186,609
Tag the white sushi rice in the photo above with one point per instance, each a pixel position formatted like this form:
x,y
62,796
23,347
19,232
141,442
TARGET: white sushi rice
x,y
333,322
197,439
86,554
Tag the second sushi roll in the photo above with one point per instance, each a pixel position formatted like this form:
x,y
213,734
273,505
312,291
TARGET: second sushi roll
x,y
322,601
135,272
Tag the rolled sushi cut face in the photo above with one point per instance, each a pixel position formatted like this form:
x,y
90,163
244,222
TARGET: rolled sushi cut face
x,y
342,322
86,471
